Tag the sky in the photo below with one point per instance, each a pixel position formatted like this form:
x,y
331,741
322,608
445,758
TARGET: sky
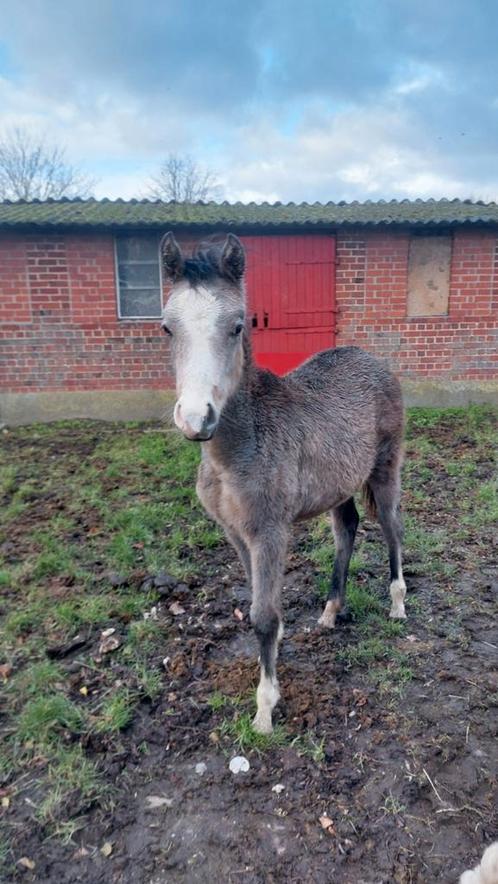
x,y
283,99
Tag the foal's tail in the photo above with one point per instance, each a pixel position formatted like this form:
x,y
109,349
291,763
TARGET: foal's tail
x,y
369,501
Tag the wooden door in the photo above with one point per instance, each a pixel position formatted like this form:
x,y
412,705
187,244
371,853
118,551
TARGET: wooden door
x,y
291,295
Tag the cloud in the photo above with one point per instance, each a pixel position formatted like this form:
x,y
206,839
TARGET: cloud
x,y
363,98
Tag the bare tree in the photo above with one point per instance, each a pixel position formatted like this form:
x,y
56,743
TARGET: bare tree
x,y
182,179
32,169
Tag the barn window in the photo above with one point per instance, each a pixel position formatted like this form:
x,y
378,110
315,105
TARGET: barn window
x,y
429,275
139,277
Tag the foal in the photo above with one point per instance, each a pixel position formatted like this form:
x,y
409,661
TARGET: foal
x,y
279,449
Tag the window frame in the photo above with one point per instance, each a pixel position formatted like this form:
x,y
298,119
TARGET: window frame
x,y
118,288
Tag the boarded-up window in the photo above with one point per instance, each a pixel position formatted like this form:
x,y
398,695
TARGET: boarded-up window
x,y
139,277
429,275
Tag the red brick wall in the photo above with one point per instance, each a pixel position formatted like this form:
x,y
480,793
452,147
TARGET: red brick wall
x,y
59,328
371,288
61,331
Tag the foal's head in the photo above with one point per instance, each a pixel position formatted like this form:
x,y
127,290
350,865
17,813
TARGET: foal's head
x,y
205,319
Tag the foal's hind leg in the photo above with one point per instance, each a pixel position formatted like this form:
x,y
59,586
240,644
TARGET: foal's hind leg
x,y
267,567
344,524
387,501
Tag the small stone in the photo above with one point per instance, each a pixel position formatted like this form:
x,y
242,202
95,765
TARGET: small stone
x,y
156,801
116,579
107,632
239,764
164,581
147,584
278,788
200,768
106,848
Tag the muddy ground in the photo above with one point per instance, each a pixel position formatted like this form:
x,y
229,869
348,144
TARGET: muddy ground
x,y
384,764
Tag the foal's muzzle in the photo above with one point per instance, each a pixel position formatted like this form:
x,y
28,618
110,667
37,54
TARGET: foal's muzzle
x,y
197,428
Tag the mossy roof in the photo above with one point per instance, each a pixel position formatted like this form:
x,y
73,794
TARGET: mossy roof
x,y
146,214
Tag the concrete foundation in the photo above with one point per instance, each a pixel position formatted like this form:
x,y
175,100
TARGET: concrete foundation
x,y
449,394
17,409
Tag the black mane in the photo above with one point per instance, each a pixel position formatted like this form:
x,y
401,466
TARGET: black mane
x,y
204,265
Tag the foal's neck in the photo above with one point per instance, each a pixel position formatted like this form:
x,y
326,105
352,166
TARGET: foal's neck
x,y
235,432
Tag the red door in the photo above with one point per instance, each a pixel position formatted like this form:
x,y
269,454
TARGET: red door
x,y
291,293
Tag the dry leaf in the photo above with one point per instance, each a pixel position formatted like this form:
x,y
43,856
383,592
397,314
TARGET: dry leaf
x,y
106,848
176,609
238,614
26,863
84,690
109,644
327,824
107,632
5,671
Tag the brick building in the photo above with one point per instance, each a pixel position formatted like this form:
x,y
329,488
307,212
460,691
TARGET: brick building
x,y
81,292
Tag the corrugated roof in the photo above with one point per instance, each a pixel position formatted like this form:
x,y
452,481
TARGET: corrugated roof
x,y
91,213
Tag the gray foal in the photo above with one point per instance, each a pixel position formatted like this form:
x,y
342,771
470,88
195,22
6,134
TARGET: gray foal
x,y
276,450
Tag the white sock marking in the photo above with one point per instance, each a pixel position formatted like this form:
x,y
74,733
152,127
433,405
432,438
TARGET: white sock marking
x,y
398,593
267,697
329,614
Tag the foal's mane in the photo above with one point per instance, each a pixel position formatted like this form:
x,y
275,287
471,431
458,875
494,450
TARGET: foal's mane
x,y
204,264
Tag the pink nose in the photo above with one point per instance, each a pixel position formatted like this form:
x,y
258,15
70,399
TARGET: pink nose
x,y
196,427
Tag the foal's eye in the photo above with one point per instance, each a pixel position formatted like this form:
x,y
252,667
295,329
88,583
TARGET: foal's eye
x,y
167,331
238,328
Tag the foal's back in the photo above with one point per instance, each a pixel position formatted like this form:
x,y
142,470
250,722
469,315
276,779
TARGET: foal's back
x,y
344,393
329,421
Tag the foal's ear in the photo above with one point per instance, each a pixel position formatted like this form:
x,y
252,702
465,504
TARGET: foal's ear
x,y
233,259
173,262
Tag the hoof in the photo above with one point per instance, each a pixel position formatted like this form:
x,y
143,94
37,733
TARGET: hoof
x,y
262,724
327,620
397,612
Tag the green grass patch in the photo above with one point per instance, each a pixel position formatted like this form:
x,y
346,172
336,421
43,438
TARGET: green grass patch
x,y
44,719
241,732
68,772
117,712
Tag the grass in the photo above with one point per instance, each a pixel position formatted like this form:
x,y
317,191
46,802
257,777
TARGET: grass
x,y
236,728
69,772
128,504
117,712
80,500
44,719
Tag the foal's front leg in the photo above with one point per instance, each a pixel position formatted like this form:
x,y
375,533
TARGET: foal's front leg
x,y
241,549
267,568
